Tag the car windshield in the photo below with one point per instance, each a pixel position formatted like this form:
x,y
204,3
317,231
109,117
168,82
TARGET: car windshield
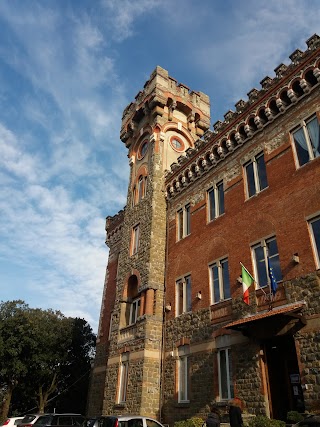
x,y
28,419
45,419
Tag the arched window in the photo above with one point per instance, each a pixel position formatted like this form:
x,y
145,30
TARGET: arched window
x,y
140,188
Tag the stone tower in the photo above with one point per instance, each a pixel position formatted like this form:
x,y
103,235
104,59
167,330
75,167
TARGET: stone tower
x,y
158,129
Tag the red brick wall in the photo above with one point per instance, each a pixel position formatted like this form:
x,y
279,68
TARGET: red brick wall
x,y
281,209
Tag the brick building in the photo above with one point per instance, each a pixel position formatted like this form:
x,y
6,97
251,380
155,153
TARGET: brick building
x,y
175,333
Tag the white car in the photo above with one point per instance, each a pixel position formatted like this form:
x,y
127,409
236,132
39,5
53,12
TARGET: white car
x,y
11,422
124,421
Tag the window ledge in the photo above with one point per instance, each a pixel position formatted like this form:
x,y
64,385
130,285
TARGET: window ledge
x,y
182,405
119,405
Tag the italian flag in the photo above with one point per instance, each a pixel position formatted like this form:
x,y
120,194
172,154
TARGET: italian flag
x,y
247,281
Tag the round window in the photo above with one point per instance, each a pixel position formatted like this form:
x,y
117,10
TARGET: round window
x,y
143,149
177,144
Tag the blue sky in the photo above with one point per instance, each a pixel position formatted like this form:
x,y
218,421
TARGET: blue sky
x,y
68,68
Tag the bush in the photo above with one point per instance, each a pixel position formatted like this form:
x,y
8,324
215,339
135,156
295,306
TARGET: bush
x,y
294,416
262,421
190,422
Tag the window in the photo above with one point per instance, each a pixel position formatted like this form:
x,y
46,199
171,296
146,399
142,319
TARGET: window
x,y
135,239
141,187
142,149
183,373
306,140
124,372
261,252
314,225
134,311
177,144
139,190
226,389
183,222
183,295
256,175
215,201
219,281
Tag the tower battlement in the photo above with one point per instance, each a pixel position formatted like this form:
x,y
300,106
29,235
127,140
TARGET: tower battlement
x,y
160,96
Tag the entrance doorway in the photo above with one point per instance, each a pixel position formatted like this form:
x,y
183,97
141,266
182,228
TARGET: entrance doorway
x,y
283,377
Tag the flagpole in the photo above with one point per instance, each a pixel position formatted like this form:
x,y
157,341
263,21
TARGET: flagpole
x,y
267,271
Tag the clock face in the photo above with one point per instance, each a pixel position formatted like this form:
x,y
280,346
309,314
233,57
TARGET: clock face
x,y
143,149
176,144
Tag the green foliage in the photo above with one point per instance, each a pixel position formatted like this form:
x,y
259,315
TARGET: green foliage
x,y
294,416
262,421
190,422
42,354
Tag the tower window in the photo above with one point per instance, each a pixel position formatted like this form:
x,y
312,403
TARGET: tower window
x,y
177,144
135,238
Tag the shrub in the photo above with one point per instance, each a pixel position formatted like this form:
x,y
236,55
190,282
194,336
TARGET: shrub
x,y
262,421
190,422
294,416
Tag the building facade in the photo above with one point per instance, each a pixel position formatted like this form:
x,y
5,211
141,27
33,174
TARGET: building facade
x,y
207,212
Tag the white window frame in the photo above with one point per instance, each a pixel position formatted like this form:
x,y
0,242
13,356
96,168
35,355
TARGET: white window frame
x,y
218,209
256,175
228,374
264,245
134,311
219,264
315,248
303,125
186,284
183,374
123,377
183,222
135,239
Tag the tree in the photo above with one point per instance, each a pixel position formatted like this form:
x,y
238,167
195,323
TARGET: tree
x,y
16,345
44,356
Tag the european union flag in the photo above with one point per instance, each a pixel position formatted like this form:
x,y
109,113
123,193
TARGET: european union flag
x,y
273,281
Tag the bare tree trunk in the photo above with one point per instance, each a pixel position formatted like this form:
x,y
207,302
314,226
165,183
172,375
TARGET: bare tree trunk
x,y
6,403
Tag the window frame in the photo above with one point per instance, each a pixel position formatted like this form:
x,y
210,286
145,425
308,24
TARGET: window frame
x,y
258,173
183,383
223,286
215,202
228,374
186,288
315,247
135,239
134,311
265,244
303,124
183,221
123,378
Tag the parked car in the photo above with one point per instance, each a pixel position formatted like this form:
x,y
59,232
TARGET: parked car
x,y
61,420
309,421
29,419
125,421
13,421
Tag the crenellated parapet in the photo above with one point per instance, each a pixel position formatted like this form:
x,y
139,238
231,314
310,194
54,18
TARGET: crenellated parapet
x,y
290,84
114,228
160,97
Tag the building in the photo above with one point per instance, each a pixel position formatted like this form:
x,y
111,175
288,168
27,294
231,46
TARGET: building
x,y
175,333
